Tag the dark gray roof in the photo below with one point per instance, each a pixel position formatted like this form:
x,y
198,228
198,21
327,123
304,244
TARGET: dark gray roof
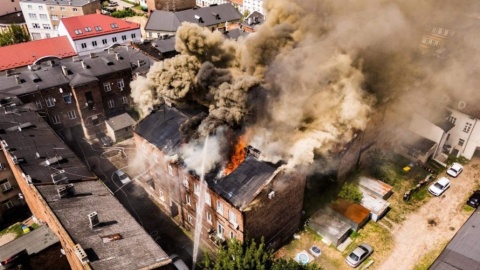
x,y
12,18
136,249
162,127
159,48
417,142
255,18
75,3
164,45
463,251
212,15
121,121
47,76
235,33
242,185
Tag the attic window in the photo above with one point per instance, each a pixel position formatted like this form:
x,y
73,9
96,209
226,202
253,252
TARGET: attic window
x,y
98,28
114,25
88,29
462,104
78,31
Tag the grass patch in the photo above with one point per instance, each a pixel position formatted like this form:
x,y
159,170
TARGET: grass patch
x,y
467,208
313,234
420,194
35,226
15,229
354,235
427,260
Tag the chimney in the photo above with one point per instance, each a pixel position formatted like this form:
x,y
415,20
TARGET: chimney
x,y
110,50
64,70
84,66
93,218
138,62
19,81
117,56
92,55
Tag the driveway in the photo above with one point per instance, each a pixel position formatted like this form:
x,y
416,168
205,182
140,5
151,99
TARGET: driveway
x,y
433,224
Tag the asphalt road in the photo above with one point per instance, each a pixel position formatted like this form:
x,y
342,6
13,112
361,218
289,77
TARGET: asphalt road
x,y
134,198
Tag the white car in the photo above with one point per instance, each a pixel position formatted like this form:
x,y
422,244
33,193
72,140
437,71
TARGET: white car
x,y
439,186
359,255
178,263
455,169
123,177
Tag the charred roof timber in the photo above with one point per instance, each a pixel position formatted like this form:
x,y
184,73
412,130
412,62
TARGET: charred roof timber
x,y
216,15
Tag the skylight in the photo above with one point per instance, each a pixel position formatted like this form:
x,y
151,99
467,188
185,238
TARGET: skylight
x,y
88,29
78,31
114,25
98,28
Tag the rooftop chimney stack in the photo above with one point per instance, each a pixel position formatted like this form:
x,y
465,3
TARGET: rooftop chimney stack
x,y
64,70
19,81
93,218
84,66
117,56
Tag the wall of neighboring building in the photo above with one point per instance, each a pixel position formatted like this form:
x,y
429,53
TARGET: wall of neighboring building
x,y
253,5
170,5
100,43
206,3
465,135
9,6
38,20
42,211
9,190
277,217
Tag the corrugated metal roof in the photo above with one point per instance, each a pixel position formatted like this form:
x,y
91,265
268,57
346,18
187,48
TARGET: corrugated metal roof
x,y
352,211
377,187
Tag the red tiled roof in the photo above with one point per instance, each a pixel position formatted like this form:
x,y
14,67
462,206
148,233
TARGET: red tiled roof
x,y
87,26
238,2
23,54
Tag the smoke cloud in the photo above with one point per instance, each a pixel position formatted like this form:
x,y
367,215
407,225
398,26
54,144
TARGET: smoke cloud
x,y
323,68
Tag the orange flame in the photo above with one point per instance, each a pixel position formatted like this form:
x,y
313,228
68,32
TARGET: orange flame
x,y
237,156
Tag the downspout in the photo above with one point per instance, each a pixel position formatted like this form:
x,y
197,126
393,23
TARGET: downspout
x,y
469,135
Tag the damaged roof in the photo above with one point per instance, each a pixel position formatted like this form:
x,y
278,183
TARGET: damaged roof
x,y
242,185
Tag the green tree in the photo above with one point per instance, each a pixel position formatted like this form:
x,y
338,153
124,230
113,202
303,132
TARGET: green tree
x,y
249,256
350,192
13,35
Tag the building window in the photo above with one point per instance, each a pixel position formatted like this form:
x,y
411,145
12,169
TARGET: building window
x,y
29,6
452,120
94,43
232,217
64,16
209,217
134,36
67,98
104,41
7,205
162,195
461,142
43,17
467,127
88,29
111,103
120,84
196,189
55,119
114,39
78,32
114,25
190,219
52,8
5,185
75,9
84,45
47,26
62,8
124,37
107,87
54,18
98,28
50,101
220,230
35,25
124,100
32,16
208,199
39,104
187,199
55,27
40,7
71,115
232,235
219,208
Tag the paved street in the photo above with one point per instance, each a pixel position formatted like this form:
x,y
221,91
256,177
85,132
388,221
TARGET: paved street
x,y
135,199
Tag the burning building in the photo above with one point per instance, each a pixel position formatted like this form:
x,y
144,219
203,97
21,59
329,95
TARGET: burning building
x,y
251,199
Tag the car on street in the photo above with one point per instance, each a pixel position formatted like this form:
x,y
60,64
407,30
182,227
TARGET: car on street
x,y
439,186
123,177
178,263
359,254
474,200
455,169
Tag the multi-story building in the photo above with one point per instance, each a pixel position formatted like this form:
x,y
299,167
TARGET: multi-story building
x,y
8,7
168,5
15,18
253,5
78,92
255,200
43,16
10,194
206,3
95,230
96,32
216,17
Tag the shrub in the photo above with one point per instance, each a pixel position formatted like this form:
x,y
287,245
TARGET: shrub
x,y
350,192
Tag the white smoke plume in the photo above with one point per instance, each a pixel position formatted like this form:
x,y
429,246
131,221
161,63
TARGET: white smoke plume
x,y
321,65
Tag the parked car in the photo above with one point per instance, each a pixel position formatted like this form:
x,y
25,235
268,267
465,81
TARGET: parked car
x,y
112,4
106,141
474,200
178,263
455,169
439,186
359,254
123,177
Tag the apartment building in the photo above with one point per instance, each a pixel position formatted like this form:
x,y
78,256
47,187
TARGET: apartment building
x,y
80,92
253,5
12,18
253,201
206,3
43,17
96,32
168,5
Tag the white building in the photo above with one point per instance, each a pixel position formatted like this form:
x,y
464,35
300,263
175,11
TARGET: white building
x,y
206,3
97,32
43,16
253,5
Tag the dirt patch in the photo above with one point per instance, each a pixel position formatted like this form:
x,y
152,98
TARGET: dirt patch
x,y
7,238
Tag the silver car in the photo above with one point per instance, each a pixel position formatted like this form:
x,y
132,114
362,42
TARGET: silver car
x,y
359,254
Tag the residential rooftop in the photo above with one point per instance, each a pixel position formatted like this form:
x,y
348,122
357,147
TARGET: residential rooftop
x,y
12,18
168,21
74,3
26,53
118,241
92,25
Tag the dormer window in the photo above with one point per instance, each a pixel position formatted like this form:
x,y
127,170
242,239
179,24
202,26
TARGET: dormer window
x,y
98,28
78,32
88,29
114,25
